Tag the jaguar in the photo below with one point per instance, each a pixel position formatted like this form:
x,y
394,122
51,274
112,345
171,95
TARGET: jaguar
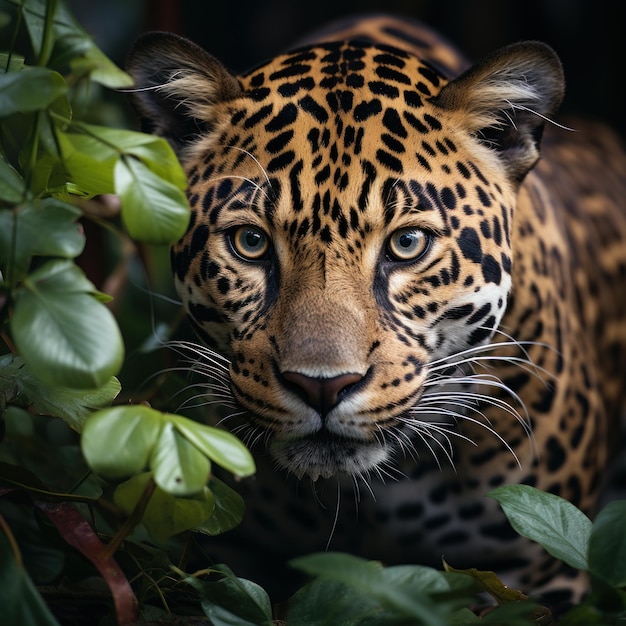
x,y
400,305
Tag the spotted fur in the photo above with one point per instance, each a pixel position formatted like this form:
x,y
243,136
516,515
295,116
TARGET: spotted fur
x,y
394,292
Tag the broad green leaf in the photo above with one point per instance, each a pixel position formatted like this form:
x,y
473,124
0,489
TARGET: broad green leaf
x,y
561,528
31,89
44,228
411,577
72,45
119,441
71,405
228,513
325,602
218,445
368,578
165,514
154,151
233,601
20,601
34,14
88,163
11,184
179,467
153,210
65,335
607,545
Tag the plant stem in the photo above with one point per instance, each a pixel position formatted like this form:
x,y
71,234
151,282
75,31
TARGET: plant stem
x,y
18,22
133,519
47,41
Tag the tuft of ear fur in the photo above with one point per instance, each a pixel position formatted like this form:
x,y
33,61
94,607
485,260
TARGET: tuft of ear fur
x,y
506,99
177,85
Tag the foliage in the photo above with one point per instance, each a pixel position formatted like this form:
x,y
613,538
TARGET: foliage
x,y
143,475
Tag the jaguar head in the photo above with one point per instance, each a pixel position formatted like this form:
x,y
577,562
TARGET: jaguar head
x,y
350,237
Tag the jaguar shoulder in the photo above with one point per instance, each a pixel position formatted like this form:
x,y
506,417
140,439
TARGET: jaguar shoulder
x,y
398,297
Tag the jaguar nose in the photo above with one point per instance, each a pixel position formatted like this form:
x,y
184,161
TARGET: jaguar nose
x,y
321,393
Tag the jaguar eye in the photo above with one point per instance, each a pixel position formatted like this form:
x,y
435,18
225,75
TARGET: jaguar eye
x,y
408,244
250,243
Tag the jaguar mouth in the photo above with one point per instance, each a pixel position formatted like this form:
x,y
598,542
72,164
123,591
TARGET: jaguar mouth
x,y
324,455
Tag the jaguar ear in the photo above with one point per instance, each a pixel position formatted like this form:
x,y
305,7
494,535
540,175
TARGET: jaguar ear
x,y
506,99
177,85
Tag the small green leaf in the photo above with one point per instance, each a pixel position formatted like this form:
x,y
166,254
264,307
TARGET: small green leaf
x,y
228,513
165,514
11,184
218,445
607,545
233,601
119,441
561,528
153,210
179,467
15,61
31,89
65,335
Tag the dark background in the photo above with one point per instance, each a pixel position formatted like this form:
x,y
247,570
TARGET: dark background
x,y
588,35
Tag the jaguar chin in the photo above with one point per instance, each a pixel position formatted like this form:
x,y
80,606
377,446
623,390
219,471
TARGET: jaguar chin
x,y
324,455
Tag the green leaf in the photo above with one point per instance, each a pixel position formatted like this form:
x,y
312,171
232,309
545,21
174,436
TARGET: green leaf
x,y
154,151
179,467
11,184
118,442
561,528
100,68
490,583
153,210
31,89
15,61
65,335
607,545
71,405
325,602
228,512
233,601
20,601
88,164
44,228
218,445
124,440
72,45
368,578
165,515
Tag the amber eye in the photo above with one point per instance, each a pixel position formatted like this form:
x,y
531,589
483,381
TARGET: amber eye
x,y
250,242
408,244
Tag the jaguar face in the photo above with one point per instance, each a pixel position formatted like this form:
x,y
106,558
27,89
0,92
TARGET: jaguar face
x,y
350,233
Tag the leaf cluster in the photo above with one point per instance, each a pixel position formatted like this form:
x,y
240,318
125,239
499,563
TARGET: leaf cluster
x,y
142,475
49,159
